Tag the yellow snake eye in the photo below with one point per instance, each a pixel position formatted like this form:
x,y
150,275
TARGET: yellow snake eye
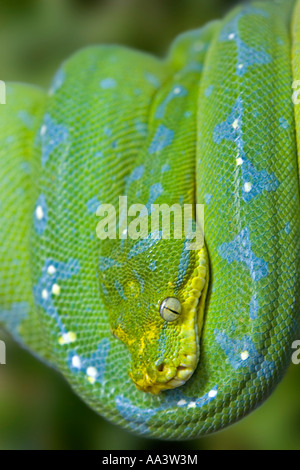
x,y
170,309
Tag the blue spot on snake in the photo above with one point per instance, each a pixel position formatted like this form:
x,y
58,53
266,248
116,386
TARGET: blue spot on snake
x,y
207,198
13,317
242,353
92,205
165,167
195,67
140,418
208,91
231,128
26,118
104,290
246,56
259,181
155,191
40,217
284,123
106,263
254,181
176,92
52,135
139,279
120,290
107,83
58,81
144,244
152,79
187,402
287,228
183,264
133,414
253,307
107,131
152,266
239,250
141,128
52,273
25,167
234,348
136,174
162,138
96,360
10,139
162,346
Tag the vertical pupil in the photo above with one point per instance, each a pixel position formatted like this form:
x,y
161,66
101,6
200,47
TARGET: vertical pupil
x,y
170,309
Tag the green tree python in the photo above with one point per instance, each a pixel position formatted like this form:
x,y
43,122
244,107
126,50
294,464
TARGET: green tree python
x,y
164,341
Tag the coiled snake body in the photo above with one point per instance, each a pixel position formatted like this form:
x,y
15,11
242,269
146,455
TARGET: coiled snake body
x,y
213,124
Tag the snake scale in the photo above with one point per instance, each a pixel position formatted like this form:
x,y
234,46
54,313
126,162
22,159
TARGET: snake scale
x,y
164,341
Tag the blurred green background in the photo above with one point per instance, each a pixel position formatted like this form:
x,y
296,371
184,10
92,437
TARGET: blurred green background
x,y
37,408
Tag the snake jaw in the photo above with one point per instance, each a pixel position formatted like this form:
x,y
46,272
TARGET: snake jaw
x,y
166,377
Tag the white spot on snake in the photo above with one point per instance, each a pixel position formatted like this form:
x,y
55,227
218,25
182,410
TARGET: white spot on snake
x,y
247,187
244,355
177,90
45,294
231,36
212,394
67,338
51,269
235,124
240,66
55,289
43,129
39,213
76,362
192,404
182,402
239,161
91,372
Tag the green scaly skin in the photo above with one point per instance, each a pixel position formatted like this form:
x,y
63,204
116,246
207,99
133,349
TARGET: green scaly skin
x,y
213,124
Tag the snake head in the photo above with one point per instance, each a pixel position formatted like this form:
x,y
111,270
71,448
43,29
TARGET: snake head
x,y
156,306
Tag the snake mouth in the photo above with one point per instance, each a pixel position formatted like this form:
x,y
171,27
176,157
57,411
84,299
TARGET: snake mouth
x,y
165,377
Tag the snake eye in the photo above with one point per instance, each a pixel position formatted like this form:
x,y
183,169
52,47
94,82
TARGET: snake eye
x,y
170,309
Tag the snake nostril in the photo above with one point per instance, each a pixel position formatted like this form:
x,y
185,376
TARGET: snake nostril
x,y
160,367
